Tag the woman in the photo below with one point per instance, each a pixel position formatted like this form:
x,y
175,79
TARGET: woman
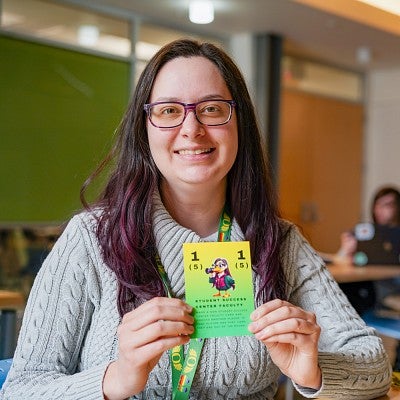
x,y
98,323
385,210
386,207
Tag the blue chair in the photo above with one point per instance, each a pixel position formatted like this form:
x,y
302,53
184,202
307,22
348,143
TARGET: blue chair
x,y
384,325
5,366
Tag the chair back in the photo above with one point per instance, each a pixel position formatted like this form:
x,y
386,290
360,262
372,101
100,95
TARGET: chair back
x,y
384,325
5,366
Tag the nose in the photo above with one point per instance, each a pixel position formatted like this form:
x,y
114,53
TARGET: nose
x,y
191,127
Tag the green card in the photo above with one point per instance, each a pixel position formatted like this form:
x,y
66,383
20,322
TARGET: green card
x,y
219,287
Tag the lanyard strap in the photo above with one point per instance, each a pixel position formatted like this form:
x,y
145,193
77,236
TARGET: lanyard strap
x,y
184,368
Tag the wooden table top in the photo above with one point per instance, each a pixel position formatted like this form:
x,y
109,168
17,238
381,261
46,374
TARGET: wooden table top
x,y
11,300
393,394
343,273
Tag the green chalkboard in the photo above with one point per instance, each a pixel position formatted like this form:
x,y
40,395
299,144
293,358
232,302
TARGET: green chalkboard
x,y
58,113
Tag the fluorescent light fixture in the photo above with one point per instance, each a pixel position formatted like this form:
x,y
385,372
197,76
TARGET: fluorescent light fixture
x,y
201,11
88,35
392,6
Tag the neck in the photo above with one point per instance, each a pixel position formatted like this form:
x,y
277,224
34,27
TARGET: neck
x,y
194,208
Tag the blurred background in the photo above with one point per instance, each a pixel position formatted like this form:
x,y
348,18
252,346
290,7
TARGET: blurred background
x,y
324,75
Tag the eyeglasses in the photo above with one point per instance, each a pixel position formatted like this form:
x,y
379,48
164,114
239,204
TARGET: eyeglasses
x,y
170,114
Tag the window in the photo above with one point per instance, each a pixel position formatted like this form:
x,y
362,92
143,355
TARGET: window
x,y
321,79
69,25
152,38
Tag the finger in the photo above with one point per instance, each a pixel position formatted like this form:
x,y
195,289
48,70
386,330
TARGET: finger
x,y
155,302
157,314
150,351
172,311
152,333
305,344
268,307
278,311
293,326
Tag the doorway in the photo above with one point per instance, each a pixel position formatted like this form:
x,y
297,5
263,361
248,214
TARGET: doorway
x,y
320,167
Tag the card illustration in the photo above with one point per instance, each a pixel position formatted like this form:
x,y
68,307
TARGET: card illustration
x,y
220,277
219,287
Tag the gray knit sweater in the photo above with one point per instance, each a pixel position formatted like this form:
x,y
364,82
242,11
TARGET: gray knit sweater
x,y
68,335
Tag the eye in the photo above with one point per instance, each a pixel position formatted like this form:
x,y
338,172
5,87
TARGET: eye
x,y
167,111
210,109
170,110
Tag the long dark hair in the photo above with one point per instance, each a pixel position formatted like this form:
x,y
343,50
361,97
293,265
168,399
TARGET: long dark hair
x,y
384,191
125,224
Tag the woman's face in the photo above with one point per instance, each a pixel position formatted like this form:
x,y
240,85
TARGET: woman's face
x,y
192,153
385,210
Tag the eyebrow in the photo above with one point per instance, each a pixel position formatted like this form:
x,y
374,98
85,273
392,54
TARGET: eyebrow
x,y
176,99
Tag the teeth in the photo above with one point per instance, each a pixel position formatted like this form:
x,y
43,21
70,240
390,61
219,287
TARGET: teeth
x,y
194,152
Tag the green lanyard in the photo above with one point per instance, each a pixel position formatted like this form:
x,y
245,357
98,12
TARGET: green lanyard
x,y
184,368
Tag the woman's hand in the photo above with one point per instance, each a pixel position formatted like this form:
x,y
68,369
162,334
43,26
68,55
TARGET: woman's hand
x,y
291,336
143,336
348,244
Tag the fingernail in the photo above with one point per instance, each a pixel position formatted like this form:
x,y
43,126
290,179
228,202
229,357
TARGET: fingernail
x,y
188,308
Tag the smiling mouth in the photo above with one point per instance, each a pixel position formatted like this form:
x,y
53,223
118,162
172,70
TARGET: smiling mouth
x,y
195,152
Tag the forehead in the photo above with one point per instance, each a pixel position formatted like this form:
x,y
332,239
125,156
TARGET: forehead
x,y
387,199
189,79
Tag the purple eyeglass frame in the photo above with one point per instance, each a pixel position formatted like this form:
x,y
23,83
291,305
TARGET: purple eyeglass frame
x,y
188,107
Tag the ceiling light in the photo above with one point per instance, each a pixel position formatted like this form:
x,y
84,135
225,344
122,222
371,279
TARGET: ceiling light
x,y
88,35
201,11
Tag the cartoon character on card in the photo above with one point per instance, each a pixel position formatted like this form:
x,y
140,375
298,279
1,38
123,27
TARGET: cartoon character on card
x,y
220,277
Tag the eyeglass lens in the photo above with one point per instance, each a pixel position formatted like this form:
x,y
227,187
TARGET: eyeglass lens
x,y
210,112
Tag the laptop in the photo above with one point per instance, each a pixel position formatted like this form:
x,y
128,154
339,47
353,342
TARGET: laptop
x,y
377,244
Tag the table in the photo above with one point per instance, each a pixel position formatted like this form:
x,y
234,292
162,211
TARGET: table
x,y
10,302
347,273
11,299
344,273
393,394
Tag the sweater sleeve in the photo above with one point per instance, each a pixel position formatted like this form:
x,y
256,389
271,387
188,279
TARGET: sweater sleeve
x,y
352,359
56,318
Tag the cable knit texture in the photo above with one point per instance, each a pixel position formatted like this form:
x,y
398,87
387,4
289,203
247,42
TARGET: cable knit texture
x,y
68,336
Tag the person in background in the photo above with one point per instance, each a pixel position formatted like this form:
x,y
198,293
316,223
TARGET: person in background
x,y
99,323
385,210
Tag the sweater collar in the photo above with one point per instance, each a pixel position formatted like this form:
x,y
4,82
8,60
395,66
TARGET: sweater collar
x,y
170,236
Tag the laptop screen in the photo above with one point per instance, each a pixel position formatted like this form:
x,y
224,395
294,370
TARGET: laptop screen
x,y
377,244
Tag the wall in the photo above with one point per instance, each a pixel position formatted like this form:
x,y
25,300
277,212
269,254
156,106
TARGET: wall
x,y
382,133
58,113
381,158
242,51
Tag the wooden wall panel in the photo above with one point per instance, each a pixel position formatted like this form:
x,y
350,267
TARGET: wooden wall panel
x,y
320,169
